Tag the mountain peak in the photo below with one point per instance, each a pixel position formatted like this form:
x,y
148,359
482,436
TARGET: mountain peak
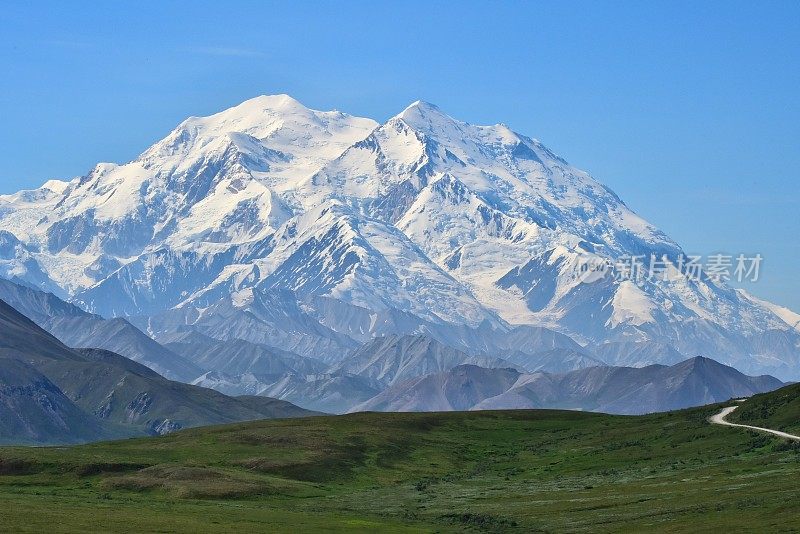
x,y
258,107
421,114
421,106
699,363
279,101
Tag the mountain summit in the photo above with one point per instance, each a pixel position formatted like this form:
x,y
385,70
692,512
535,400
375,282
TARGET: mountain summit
x,y
423,224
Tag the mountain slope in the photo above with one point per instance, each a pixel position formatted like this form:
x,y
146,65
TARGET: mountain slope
x,y
271,318
421,225
22,336
457,389
120,336
53,394
34,411
331,393
693,382
134,396
237,357
77,328
391,359
637,353
554,360
620,390
779,410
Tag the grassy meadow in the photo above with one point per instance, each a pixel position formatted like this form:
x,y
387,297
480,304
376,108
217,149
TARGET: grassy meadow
x,y
526,471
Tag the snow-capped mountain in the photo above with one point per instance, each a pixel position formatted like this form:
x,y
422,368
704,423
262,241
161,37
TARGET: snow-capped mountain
x,y
423,224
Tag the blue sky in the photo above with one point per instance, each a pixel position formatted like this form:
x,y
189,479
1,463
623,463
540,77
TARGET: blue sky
x,y
688,110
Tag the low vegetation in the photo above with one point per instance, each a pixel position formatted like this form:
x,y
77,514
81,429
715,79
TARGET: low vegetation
x,y
525,471
779,410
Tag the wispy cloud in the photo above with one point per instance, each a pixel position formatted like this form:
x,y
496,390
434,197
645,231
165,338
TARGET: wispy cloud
x,y
225,51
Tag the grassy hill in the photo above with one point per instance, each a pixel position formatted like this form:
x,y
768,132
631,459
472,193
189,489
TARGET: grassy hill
x,y
525,471
779,409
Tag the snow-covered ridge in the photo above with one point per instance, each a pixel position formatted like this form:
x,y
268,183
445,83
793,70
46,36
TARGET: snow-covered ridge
x,y
424,220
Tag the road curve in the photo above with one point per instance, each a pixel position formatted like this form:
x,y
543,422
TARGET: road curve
x,y
719,419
